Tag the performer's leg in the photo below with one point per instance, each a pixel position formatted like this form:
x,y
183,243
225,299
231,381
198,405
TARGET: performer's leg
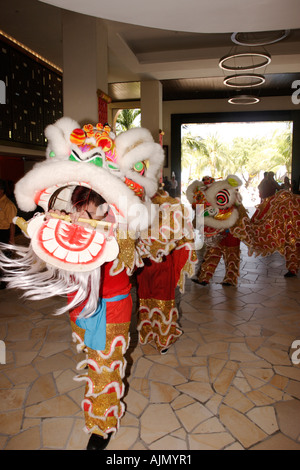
x,y
104,390
211,260
292,260
232,264
158,322
158,314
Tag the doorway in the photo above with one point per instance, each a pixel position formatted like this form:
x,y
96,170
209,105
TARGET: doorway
x,y
266,117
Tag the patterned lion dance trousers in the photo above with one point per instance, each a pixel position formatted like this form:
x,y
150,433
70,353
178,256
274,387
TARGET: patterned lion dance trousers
x,y
229,249
106,366
158,313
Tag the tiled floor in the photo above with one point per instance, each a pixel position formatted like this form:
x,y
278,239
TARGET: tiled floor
x,y
228,383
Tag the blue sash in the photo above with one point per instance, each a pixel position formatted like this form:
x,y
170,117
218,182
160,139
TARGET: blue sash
x,y
95,326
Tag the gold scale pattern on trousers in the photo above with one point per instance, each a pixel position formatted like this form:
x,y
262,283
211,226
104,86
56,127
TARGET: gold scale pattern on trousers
x,y
212,258
157,321
104,389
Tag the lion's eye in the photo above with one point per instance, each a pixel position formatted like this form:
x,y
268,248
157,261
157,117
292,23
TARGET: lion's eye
x,y
223,197
139,167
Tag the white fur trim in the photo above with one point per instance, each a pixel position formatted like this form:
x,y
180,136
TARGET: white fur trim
x,y
136,145
127,139
58,136
113,189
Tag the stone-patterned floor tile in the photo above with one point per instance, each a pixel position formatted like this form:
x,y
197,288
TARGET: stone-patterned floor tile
x,y
153,428
237,400
58,406
288,418
201,392
124,439
26,440
56,431
170,443
277,442
242,428
162,393
228,383
192,415
265,418
214,441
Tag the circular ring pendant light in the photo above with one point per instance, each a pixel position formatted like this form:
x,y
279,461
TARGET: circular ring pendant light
x,y
243,100
243,64
244,80
259,38
245,61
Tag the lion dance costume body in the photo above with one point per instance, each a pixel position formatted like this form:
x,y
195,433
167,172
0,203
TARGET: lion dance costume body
x,y
274,227
221,208
138,229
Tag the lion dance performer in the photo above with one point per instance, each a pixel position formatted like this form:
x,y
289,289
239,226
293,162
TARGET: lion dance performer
x,y
221,208
100,195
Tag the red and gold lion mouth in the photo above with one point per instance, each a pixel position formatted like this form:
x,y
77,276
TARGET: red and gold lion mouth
x,y
71,246
80,245
224,214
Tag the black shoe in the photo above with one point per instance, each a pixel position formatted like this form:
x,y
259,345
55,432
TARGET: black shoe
x,y
203,283
97,442
164,351
290,274
227,284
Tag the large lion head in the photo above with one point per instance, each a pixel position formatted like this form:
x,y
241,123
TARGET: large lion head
x,y
65,256
215,202
124,171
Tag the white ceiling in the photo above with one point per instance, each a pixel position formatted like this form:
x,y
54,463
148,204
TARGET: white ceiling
x,y
162,39
198,16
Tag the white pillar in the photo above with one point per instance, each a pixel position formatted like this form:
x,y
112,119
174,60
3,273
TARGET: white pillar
x,y
84,65
151,107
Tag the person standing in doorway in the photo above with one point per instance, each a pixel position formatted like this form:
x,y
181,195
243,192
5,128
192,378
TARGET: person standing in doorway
x,y
261,186
174,185
268,186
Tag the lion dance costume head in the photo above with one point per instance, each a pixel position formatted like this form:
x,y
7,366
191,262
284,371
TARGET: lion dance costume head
x,y
217,202
63,256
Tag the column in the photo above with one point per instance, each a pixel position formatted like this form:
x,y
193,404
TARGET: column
x,y
151,107
85,65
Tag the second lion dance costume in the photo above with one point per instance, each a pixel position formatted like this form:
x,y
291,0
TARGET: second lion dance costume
x,y
221,211
274,227
91,260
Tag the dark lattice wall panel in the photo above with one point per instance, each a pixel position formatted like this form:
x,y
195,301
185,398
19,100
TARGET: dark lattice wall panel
x,y
33,97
